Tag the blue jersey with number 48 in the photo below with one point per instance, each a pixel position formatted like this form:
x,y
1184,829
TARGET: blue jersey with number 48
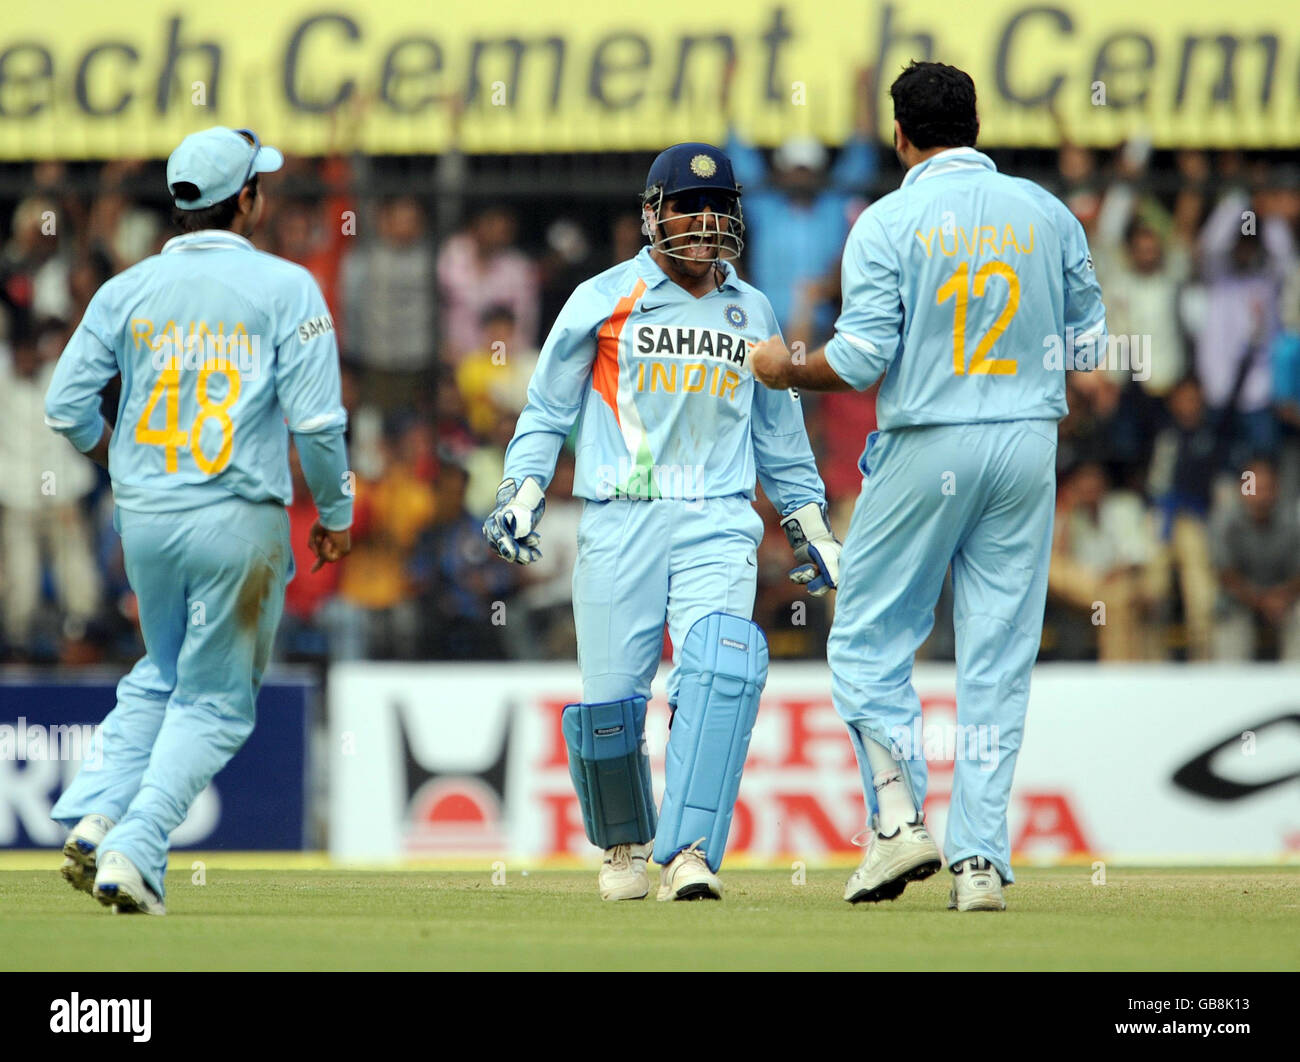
x,y
971,291
222,350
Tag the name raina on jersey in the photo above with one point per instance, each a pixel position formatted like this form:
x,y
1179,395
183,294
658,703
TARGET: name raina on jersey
x,y
201,346
697,360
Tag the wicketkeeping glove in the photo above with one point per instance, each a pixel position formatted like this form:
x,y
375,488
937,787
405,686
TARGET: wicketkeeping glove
x,y
511,528
815,547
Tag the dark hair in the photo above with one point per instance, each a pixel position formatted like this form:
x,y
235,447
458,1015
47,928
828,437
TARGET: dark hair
x,y
497,312
1138,226
217,216
935,105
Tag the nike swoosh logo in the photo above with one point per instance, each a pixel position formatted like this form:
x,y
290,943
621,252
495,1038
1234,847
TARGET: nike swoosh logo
x,y
646,309
1198,775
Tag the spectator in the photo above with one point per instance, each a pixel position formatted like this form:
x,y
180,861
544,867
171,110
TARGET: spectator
x,y
1256,549
1246,257
1099,548
316,240
481,267
389,289
566,263
1182,473
41,504
493,380
845,420
1149,435
117,228
463,593
1286,388
625,239
798,215
378,610
34,270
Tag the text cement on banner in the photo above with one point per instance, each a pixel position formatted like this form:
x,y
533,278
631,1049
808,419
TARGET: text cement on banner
x,y
130,79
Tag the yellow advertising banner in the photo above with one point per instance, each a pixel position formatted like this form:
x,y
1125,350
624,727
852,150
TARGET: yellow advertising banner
x,y
131,77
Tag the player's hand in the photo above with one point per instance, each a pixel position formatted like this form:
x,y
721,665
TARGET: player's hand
x,y
329,546
816,548
511,528
769,361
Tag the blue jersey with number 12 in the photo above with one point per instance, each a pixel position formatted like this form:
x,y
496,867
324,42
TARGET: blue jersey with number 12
x,y
971,291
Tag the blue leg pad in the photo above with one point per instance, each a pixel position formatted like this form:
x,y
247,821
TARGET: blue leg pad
x,y
611,770
723,670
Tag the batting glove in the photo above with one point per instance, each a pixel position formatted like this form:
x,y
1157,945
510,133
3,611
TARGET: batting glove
x,y
511,528
815,547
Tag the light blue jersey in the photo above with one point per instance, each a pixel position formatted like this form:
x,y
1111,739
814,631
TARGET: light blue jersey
x,y
668,405
223,350
971,291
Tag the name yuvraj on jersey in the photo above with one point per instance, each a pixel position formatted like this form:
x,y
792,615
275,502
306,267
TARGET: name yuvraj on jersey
x,y
694,348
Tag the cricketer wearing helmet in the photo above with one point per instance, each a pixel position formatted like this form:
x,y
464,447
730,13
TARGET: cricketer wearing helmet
x,y
651,359
972,292
223,351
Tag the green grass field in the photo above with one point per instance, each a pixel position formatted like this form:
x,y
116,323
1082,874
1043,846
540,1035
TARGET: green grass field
x,y
1186,919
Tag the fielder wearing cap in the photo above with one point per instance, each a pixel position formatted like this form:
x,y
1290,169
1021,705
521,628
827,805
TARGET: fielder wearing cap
x,y
215,165
650,359
223,350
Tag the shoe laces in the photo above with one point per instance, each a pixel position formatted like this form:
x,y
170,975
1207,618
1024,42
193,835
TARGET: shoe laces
x,y
863,838
620,857
693,852
978,866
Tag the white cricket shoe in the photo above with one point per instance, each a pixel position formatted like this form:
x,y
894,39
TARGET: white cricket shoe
x,y
623,873
976,886
688,877
118,885
79,851
908,854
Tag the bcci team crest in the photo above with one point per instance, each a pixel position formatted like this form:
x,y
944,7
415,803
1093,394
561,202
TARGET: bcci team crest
x,y
736,316
703,166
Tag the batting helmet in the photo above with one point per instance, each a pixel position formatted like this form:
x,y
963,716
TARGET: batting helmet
x,y
698,181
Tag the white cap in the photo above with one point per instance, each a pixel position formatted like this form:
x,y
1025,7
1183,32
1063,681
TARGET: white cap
x,y
800,151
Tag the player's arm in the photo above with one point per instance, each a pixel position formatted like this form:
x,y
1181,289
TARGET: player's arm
x,y
1085,314
310,392
555,395
85,368
787,470
869,329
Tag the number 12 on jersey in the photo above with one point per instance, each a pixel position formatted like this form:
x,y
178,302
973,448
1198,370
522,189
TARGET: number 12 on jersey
x,y
956,287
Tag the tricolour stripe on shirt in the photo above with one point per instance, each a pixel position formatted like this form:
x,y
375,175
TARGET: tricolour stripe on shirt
x,y
604,374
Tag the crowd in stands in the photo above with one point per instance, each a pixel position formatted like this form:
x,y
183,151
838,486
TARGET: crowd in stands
x,y
1177,532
